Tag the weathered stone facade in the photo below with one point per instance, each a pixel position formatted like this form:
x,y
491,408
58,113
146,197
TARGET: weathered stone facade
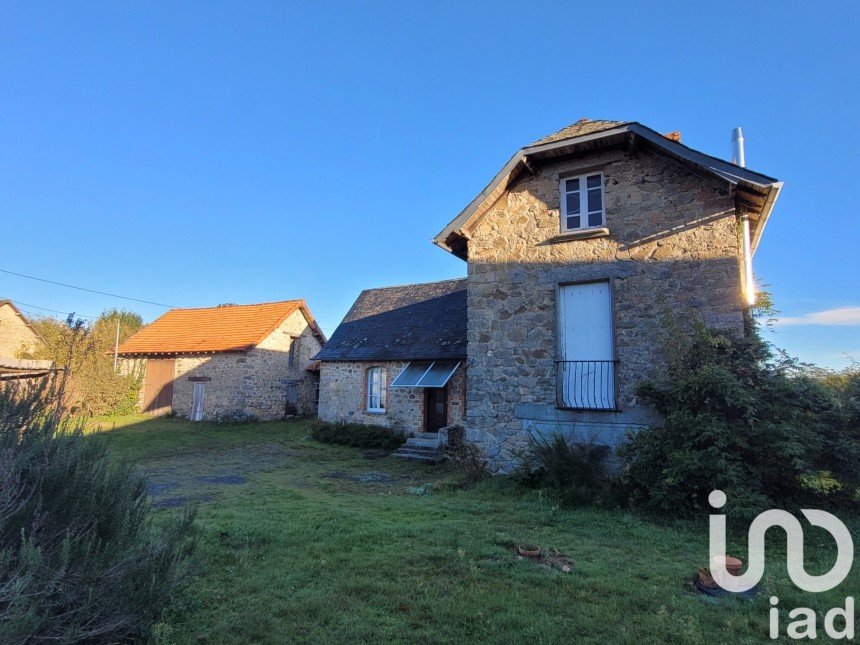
x,y
259,382
17,339
672,249
343,396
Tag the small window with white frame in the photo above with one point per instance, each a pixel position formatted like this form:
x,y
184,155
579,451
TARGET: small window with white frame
x,y
582,202
376,390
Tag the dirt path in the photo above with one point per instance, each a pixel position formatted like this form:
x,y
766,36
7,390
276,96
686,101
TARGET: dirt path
x,y
176,480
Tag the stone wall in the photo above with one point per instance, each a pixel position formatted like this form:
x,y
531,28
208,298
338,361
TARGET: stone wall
x,y
343,392
17,340
672,249
258,382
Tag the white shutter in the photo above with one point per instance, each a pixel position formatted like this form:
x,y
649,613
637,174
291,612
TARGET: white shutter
x,y
197,394
586,372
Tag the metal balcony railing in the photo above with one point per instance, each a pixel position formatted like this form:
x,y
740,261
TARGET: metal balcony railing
x,y
585,385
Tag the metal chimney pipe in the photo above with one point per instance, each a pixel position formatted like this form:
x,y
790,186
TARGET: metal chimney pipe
x,y
738,157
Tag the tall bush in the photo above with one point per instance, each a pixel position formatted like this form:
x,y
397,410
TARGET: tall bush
x,y
746,419
81,557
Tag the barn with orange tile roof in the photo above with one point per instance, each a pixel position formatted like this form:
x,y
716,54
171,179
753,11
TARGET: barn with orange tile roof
x,y
230,361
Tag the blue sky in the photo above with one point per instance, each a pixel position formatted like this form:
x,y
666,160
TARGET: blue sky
x,y
206,152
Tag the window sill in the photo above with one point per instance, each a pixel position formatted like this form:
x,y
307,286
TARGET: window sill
x,y
569,409
374,411
584,234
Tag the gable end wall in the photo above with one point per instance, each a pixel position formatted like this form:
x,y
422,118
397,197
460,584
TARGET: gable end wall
x,y
16,338
673,249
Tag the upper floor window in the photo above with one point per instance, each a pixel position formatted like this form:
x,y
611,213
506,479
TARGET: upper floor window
x,y
375,390
582,202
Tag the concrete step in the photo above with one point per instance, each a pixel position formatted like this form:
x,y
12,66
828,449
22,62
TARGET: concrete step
x,y
419,450
425,454
428,435
422,442
427,459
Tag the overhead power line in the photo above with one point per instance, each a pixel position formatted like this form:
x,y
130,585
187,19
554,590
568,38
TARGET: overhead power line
x,y
25,305
101,293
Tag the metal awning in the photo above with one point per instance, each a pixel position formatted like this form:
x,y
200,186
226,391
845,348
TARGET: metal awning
x,y
426,374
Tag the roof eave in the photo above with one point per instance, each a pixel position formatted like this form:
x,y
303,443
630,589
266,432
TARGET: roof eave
x,y
766,210
387,359
183,352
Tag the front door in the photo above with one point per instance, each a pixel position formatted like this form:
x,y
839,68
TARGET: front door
x,y
436,408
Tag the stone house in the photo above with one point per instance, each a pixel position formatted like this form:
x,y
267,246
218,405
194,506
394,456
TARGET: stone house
x,y
582,252
398,359
579,252
18,342
217,362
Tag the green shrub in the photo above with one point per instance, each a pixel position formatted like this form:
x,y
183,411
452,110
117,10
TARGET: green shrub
x,y
575,471
357,435
81,558
744,419
466,458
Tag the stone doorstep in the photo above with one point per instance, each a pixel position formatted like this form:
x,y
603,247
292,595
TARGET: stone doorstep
x,y
412,452
424,443
428,458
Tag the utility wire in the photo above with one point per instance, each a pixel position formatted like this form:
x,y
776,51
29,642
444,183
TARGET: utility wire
x,y
25,305
101,293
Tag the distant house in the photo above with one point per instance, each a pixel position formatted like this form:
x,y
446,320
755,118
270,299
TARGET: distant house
x,y
18,342
398,359
579,251
230,360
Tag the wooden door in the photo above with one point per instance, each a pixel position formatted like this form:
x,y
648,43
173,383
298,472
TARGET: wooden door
x,y
436,408
158,386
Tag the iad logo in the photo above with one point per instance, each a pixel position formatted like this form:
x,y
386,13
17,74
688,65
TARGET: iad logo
x,y
805,627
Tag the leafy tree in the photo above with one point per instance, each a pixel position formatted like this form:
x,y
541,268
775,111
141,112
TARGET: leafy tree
x,y
94,386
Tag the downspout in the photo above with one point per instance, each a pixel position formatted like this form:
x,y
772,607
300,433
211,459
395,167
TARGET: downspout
x,y
739,159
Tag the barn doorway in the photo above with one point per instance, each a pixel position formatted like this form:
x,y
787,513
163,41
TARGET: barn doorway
x,y
158,386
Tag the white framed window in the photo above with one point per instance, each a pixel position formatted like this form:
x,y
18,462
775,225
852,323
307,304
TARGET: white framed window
x,y
376,389
582,202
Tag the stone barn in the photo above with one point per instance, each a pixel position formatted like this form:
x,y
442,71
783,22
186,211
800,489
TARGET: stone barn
x,y
232,360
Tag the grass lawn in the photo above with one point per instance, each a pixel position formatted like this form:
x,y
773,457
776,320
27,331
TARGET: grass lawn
x,y
302,541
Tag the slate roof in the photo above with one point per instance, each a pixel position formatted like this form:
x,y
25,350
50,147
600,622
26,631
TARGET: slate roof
x,y
578,129
232,328
410,322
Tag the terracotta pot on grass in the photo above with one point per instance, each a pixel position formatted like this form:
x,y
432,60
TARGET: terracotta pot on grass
x,y
733,565
529,550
